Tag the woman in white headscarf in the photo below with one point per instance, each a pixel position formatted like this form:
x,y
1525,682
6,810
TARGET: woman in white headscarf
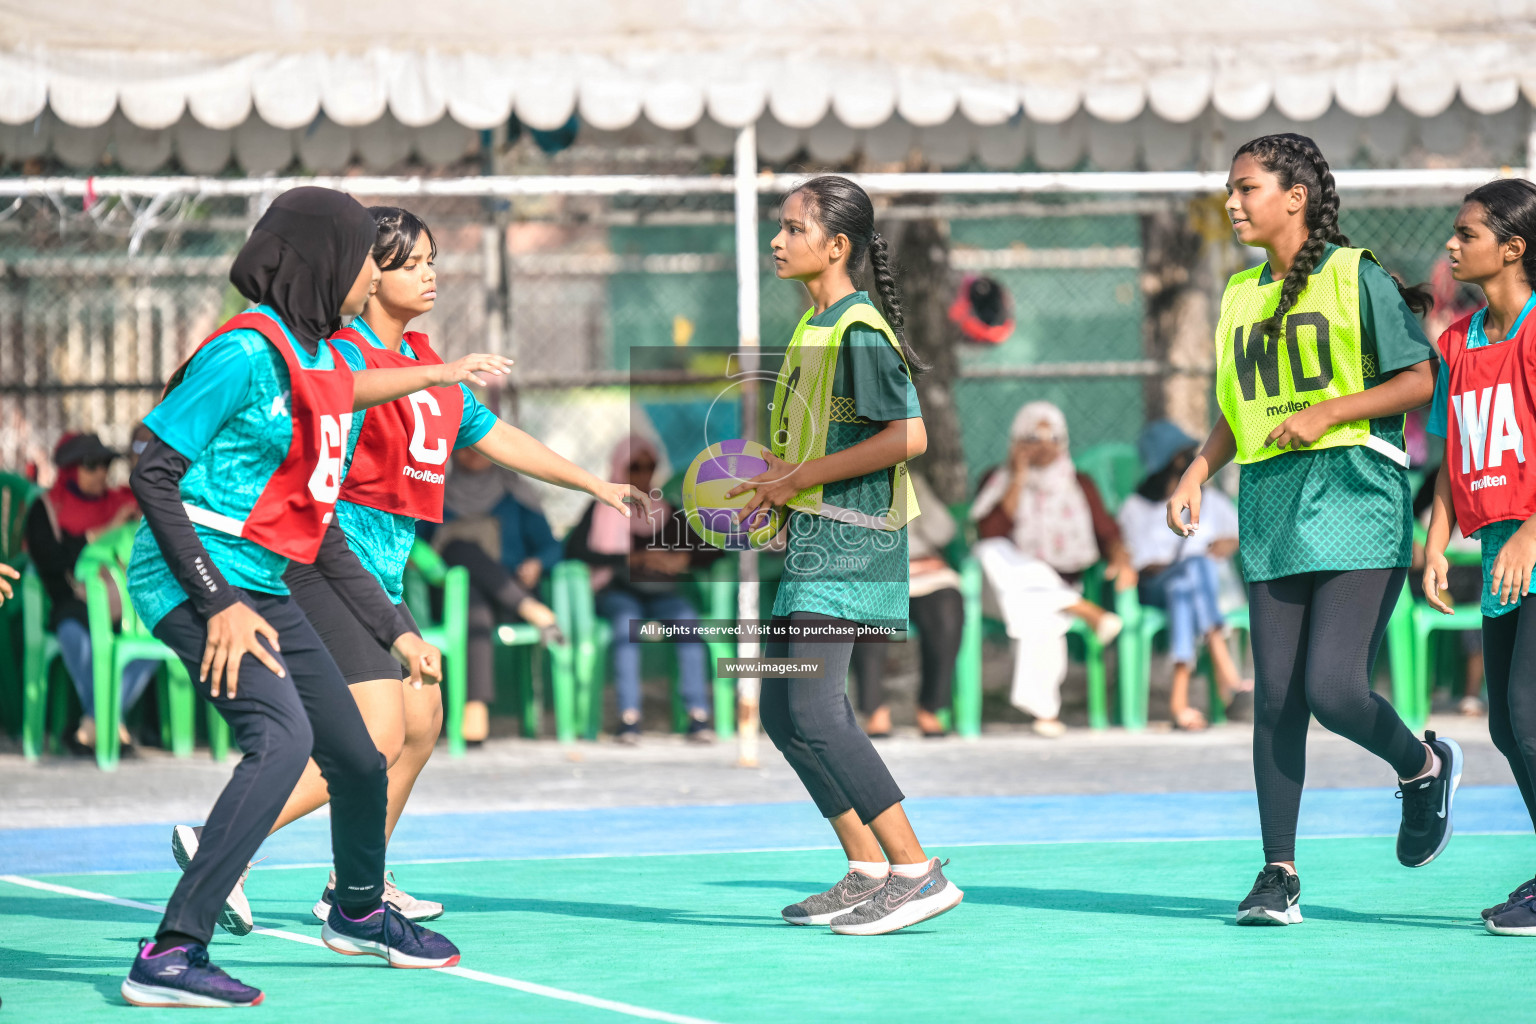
x,y
1042,525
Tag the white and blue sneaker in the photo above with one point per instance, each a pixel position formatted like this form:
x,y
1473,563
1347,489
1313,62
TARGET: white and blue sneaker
x,y
389,935
235,917
183,977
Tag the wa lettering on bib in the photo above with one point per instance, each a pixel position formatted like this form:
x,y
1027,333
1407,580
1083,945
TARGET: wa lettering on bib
x,y
1490,416
1319,354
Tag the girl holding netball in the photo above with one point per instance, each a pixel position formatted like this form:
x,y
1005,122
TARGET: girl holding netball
x,y
845,419
1319,355
1485,409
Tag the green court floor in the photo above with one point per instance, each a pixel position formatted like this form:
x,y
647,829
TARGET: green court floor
x,y
1056,932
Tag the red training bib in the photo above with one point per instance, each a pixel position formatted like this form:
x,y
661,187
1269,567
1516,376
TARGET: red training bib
x,y
1492,411
402,452
299,499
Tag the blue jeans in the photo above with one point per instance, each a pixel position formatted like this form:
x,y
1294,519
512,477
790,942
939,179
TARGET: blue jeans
x,y
75,649
1187,591
619,607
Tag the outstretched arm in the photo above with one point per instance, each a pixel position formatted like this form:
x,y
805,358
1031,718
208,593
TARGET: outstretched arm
x,y
522,453
375,387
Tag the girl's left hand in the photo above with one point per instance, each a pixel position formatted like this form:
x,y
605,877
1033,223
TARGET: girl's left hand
x,y
771,488
1512,568
1301,429
621,496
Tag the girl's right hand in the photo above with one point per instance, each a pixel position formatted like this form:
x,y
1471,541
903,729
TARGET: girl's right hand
x,y
1186,496
466,370
1436,578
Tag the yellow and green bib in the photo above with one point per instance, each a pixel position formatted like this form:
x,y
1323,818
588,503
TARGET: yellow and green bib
x,y
1318,354
803,410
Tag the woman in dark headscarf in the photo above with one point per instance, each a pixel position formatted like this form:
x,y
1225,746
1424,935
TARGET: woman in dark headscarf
x,y
240,476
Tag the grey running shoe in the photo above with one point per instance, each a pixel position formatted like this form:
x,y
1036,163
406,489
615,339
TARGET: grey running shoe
x,y
902,902
854,888
411,908
235,918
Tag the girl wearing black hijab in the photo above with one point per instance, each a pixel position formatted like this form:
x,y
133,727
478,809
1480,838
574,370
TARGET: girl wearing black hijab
x,y
240,476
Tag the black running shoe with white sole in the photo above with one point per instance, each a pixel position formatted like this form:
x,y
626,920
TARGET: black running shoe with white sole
x,y
1515,918
852,890
1522,891
183,977
235,918
1274,899
1427,806
389,935
901,902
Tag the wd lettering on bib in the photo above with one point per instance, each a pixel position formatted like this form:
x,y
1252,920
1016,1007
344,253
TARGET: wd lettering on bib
x,y
1318,354
1490,413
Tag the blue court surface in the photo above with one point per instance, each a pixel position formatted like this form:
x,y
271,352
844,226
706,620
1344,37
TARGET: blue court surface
x,y
1077,907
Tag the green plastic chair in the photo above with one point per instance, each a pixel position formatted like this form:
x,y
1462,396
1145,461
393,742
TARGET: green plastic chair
x,y
40,649
451,636
593,638
1424,621
16,496
103,561
1114,467
1143,624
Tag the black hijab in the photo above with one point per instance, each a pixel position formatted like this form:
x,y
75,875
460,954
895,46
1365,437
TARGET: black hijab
x,y
302,258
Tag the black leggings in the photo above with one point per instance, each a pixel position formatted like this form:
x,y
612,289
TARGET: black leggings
x,y
1315,637
812,724
1509,659
280,723
939,617
494,595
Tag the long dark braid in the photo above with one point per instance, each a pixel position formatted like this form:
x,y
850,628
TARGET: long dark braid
x,y
841,207
1295,160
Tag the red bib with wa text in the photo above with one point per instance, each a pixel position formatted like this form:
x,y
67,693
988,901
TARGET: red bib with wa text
x,y
297,503
1491,414
401,459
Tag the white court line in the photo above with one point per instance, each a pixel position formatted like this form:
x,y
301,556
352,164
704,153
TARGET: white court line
x,y
463,972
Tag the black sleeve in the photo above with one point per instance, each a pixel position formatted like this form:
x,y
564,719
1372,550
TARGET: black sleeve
x,y
156,485
578,545
43,546
358,590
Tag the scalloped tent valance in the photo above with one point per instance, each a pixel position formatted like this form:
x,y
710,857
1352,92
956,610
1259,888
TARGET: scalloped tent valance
x,y
477,62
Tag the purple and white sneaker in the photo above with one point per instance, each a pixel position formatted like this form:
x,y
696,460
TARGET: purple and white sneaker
x,y
183,977
389,935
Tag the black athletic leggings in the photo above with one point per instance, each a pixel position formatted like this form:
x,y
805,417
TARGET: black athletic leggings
x,y
812,724
939,617
1509,659
1315,637
280,722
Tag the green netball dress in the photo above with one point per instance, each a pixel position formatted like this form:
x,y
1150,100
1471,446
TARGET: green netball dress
x,y
837,568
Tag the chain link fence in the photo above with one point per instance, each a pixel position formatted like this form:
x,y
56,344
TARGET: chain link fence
x,y
99,303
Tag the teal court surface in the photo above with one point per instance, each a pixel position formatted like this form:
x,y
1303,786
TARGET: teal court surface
x,y
1110,907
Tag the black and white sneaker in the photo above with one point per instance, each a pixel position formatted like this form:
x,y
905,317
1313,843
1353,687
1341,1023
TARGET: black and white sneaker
x,y
1517,917
901,902
852,890
1274,899
1523,891
235,918
1426,827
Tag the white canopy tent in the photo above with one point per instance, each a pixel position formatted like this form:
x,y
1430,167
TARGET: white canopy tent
x,y
1130,84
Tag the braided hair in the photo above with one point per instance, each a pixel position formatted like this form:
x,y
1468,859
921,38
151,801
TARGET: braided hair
x,y
1295,160
843,208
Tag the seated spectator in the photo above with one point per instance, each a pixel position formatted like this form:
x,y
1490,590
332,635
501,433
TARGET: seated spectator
x,y
1465,583
639,565
1042,525
938,612
1180,574
79,508
493,527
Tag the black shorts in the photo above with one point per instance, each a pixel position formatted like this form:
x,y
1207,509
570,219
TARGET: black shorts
x,y
355,650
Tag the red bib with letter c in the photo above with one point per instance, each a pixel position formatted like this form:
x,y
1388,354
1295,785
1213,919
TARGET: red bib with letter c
x,y
401,459
297,503
1491,414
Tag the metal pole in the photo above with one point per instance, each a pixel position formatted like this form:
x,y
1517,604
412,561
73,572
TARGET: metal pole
x,y
747,690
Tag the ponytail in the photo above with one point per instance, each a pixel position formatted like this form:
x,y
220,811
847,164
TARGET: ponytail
x,y
843,208
1296,160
